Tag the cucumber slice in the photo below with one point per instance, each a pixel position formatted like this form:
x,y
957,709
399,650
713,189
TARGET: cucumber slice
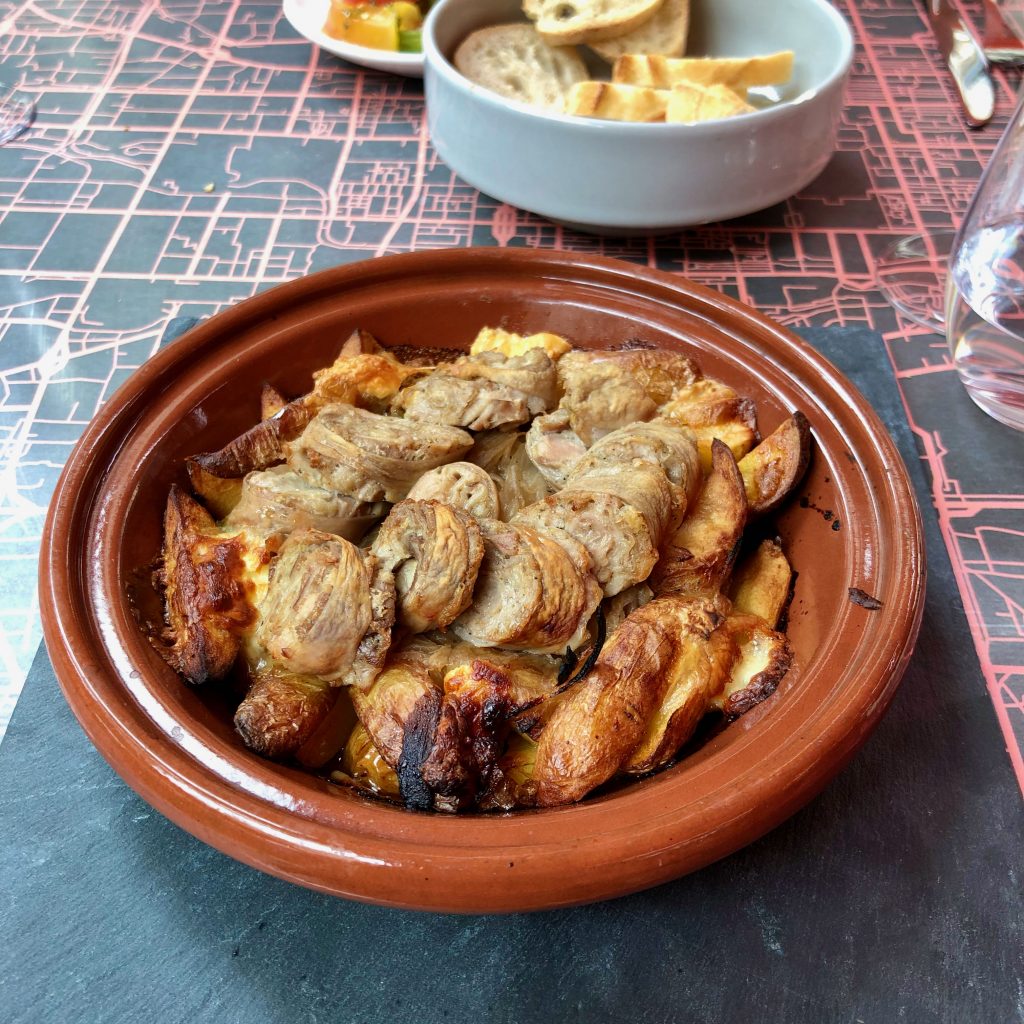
x,y
410,41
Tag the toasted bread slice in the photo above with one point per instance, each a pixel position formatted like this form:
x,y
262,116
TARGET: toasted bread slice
x,y
703,103
664,34
736,72
513,61
567,22
617,102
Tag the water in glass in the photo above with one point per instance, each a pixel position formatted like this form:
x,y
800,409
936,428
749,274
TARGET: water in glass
x,y
985,318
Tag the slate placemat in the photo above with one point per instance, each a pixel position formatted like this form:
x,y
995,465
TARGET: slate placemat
x,y
895,896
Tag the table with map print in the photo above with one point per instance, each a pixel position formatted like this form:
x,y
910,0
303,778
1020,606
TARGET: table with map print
x,y
187,154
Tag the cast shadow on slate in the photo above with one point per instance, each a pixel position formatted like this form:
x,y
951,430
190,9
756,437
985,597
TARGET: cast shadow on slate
x,y
889,897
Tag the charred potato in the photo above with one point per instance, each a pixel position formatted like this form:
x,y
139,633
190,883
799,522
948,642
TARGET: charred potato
x,y
259,447
386,708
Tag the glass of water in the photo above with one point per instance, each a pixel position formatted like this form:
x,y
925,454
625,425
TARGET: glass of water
x,y
984,315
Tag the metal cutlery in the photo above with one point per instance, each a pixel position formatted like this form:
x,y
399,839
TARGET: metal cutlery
x,y
965,59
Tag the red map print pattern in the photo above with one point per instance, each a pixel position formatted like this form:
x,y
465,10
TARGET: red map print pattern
x,y
188,153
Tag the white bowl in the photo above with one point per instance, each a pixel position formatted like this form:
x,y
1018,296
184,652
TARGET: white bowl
x,y
307,17
614,176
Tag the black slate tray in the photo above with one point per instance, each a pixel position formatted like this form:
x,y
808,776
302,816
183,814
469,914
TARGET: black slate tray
x,y
895,896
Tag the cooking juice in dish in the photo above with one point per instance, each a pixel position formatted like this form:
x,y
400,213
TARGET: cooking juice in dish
x,y
985,319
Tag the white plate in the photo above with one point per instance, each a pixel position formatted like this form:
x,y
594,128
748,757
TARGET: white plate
x,y
307,17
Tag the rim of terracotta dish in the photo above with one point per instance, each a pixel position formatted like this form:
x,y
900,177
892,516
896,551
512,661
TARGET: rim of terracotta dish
x,y
655,830
438,61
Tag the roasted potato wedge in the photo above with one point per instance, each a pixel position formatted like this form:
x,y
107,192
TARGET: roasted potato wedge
x,y
706,402
207,600
600,721
512,785
698,672
699,555
330,736
259,447
282,711
760,585
713,410
219,494
271,401
365,766
777,464
737,436
387,706
763,658
484,691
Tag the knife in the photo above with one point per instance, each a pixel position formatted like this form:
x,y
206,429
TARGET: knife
x,y
965,60
1001,41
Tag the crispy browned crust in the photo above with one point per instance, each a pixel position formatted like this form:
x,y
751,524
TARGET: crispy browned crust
x,y
603,718
260,446
271,401
698,557
706,401
206,599
445,742
744,690
282,711
512,784
478,706
760,586
777,464
699,670
368,379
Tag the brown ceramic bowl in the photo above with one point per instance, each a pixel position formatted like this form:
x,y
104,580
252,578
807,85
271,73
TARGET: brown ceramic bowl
x,y
175,746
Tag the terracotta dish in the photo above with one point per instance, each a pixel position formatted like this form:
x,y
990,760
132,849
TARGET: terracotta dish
x,y
176,747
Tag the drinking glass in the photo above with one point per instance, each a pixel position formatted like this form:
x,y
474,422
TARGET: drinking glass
x,y
969,284
984,310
